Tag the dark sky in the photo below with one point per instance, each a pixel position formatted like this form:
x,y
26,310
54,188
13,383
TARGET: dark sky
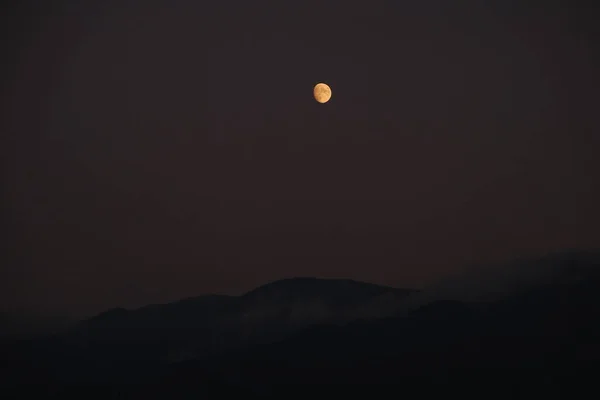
x,y
164,149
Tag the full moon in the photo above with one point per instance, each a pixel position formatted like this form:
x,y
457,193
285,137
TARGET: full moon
x,y
322,92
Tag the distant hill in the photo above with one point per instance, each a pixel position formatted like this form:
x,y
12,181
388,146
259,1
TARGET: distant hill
x,y
545,318
205,325
552,327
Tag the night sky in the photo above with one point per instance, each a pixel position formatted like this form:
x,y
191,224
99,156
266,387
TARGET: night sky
x,y
158,150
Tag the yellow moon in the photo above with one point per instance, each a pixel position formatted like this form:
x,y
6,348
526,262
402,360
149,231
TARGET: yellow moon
x,y
322,92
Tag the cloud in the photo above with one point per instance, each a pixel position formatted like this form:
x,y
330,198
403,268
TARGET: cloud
x,y
493,282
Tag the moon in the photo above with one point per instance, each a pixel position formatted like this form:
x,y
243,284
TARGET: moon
x,y
322,92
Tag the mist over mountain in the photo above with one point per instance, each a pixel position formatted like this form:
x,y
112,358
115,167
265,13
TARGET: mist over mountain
x,y
542,330
209,324
332,330
497,281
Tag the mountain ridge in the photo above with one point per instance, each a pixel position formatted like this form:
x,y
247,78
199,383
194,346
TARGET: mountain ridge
x,y
280,332
208,324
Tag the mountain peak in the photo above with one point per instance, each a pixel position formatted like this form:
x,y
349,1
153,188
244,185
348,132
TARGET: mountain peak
x,y
307,285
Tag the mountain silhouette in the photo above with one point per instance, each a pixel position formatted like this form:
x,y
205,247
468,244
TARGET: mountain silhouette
x,y
210,325
552,327
308,330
